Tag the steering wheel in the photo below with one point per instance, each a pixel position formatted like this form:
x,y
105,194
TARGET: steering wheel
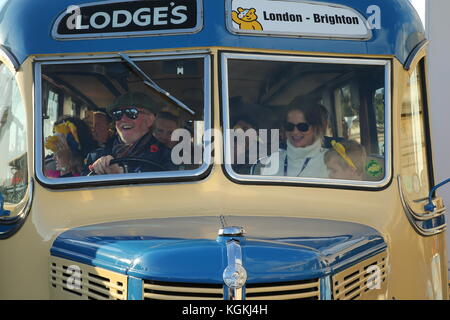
x,y
121,161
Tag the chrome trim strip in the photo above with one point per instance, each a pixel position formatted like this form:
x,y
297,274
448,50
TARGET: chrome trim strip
x,y
414,53
417,219
8,57
229,25
296,180
131,177
55,35
325,288
18,220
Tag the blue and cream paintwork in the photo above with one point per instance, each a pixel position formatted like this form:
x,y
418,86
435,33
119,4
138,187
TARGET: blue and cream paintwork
x,y
401,31
188,250
292,232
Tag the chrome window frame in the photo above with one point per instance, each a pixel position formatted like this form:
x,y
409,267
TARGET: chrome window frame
x,y
144,177
258,179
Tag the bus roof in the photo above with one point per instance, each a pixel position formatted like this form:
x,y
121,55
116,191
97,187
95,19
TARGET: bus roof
x,y
26,28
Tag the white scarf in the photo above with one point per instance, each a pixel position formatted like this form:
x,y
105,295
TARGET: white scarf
x,y
296,154
298,157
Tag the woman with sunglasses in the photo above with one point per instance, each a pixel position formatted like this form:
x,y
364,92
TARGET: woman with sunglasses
x,y
134,115
304,126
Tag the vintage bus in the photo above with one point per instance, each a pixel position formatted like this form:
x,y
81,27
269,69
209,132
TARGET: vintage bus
x,y
302,167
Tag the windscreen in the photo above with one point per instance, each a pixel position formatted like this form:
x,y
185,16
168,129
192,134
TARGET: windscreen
x,y
296,119
110,118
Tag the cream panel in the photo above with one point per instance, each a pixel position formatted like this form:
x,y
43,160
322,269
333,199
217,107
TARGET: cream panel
x,y
25,257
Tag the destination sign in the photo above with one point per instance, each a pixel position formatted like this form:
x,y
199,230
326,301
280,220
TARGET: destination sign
x,y
107,19
296,18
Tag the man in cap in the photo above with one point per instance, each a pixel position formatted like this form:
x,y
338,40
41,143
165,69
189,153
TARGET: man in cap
x,y
134,114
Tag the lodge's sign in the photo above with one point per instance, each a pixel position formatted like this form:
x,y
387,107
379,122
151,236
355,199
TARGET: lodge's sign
x,y
128,18
296,18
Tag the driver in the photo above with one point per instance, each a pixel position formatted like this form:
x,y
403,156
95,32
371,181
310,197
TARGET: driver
x,y
133,114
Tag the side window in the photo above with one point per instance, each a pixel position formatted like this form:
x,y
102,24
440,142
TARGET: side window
x,y
13,140
330,117
415,174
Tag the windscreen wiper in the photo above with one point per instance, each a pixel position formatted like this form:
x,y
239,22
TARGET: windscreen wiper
x,y
150,83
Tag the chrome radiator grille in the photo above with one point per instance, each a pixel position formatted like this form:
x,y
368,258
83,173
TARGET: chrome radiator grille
x,y
93,284
304,290
156,290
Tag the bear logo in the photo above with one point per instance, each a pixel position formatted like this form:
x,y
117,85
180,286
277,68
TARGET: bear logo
x,y
246,19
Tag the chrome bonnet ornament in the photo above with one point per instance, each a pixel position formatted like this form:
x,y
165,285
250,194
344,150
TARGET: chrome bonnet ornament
x,y
234,275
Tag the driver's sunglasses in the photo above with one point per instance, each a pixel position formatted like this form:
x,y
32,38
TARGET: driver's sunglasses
x,y
131,113
302,126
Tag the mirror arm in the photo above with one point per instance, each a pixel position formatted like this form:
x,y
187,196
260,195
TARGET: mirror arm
x,y
430,205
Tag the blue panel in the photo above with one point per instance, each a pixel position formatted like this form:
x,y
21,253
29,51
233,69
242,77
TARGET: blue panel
x,y
283,249
134,289
25,32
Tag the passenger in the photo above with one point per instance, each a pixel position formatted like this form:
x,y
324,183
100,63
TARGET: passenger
x,y
102,128
305,124
242,159
134,115
71,143
346,160
165,124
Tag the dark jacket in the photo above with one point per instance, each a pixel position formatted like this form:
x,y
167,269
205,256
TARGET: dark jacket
x,y
147,148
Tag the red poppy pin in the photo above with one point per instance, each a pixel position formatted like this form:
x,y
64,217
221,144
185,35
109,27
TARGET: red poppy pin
x,y
154,148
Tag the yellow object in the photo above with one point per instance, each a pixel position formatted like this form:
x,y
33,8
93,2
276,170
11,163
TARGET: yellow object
x,y
52,142
340,149
246,19
64,129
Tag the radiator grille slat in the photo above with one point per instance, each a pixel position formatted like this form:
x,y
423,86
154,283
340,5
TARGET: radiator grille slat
x,y
182,289
282,288
154,296
285,297
305,289
93,284
158,290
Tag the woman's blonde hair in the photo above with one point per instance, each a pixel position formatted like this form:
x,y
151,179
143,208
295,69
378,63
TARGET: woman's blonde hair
x,y
354,151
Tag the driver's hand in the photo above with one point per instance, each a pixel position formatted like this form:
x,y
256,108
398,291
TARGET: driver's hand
x,y
102,166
